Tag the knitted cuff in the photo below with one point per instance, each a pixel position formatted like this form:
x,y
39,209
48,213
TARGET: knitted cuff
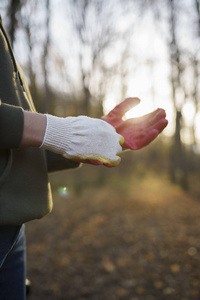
x,y
57,135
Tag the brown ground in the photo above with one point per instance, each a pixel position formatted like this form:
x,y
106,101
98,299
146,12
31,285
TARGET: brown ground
x,y
123,239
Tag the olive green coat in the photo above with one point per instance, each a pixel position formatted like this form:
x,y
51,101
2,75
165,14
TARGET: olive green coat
x,y
25,192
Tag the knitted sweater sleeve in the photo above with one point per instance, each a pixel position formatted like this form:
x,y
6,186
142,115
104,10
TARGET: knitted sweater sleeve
x,y
11,125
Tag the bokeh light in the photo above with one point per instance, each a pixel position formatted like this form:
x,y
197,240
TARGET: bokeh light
x,y
63,191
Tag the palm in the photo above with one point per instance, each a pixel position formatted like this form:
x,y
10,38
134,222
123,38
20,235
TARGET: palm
x,y
137,132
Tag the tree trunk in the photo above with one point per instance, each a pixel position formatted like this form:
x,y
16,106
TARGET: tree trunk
x,y
13,8
178,169
47,93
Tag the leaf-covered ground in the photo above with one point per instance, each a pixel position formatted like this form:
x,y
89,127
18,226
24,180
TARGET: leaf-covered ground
x,y
124,239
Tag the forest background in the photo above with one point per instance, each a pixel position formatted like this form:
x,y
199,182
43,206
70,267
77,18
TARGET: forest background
x,y
84,57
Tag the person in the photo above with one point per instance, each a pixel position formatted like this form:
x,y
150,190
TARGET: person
x,y
33,144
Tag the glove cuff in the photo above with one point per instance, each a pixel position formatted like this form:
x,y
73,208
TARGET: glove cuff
x,y
56,129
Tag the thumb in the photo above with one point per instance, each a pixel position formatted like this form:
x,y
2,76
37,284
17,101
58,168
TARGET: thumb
x,y
122,108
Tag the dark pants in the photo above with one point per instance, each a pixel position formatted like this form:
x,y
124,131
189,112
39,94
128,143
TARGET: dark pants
x,y
12,263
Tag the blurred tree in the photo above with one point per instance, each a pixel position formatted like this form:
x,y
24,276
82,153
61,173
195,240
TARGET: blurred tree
x,y
182,58
31,73
30,27
83,30
14,7
45,58
178,158
196,73
197,4
94,26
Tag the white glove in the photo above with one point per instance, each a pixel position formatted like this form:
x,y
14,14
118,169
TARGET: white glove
x,y
83,139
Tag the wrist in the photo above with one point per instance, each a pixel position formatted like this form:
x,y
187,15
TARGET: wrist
x,y
34,129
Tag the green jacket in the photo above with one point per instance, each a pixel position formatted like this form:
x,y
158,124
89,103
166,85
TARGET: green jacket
x,y
25,192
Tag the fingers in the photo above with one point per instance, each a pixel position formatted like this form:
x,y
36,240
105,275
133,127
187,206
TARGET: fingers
x,y
105,162
89,161
161,125
159,114
146,140
141,141
121,140
124,107
100,161
150,119
157,120
113,163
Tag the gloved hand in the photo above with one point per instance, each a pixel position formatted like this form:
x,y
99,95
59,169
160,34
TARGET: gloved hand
x,y
137,132
83,139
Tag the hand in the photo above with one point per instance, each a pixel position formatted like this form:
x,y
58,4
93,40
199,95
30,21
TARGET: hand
x,y
137,132
83,139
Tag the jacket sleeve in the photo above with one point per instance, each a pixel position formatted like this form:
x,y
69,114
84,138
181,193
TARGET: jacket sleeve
x,y
56,162
11,131
11,125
